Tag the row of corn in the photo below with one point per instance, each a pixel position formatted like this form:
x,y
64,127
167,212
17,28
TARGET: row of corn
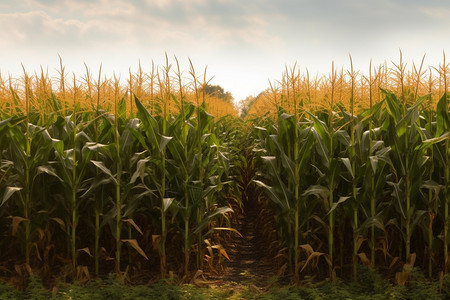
x,y
92,174
353,185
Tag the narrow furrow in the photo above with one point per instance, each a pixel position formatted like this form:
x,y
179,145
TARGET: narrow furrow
x,y
249,261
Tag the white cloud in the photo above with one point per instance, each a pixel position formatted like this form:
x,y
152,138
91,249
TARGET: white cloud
x,y
31,27
250,40
440,13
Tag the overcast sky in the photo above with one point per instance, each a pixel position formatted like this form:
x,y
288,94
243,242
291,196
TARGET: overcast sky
x,y
244,43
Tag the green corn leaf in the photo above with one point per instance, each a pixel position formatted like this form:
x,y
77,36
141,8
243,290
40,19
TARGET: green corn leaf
x,y
429,142
442,115
48,170
163,143
95,185
392,105
4,123
122,107
167,202
140,170
321,149
101,166
432,185
271,192
288,164
126,138
398,197
283,117
335,204
375,221
317,190
348,165
149,124
322,130
374,163
418,216
10,190
209,217
343,137
280,185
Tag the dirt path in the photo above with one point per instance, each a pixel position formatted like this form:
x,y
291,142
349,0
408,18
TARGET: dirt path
x,y
249,261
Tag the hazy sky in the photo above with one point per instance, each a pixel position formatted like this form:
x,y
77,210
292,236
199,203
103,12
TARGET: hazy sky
x,y
244,43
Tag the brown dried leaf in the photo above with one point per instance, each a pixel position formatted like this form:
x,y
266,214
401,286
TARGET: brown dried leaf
x,y
384,248
209,260
221,250
133,243
132,223
327,259
401,278
41,233
363,257
37,250
310,257
197,274
410,261
85,250
210,251
359,243
283,269
156,239
224,253
307,247
15,224
83,273
227,228
28,268
59,221
18,269
394,260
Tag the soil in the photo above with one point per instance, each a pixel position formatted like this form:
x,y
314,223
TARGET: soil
x,y
250,262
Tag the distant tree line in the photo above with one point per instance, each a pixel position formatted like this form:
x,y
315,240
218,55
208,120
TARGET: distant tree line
x,y
219,92
246,104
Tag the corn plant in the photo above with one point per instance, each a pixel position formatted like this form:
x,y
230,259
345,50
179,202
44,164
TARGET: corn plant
x,y
121,176
183,152
328,140
29,158
186,166
185,114
73,162
409,144
347,169
6,165
439,184
291,142
151,137
367,172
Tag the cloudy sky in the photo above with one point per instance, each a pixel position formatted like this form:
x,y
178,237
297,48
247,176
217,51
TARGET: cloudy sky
x,y
244,43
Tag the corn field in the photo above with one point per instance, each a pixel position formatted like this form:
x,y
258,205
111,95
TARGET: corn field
x,y
96,175
145,176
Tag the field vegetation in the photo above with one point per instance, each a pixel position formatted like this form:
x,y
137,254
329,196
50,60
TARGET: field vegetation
x,y
144,176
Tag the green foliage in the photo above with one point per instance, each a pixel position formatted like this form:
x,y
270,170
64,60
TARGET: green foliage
x,y
370,285
382,175
35,289
340,187
9,292
420,287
